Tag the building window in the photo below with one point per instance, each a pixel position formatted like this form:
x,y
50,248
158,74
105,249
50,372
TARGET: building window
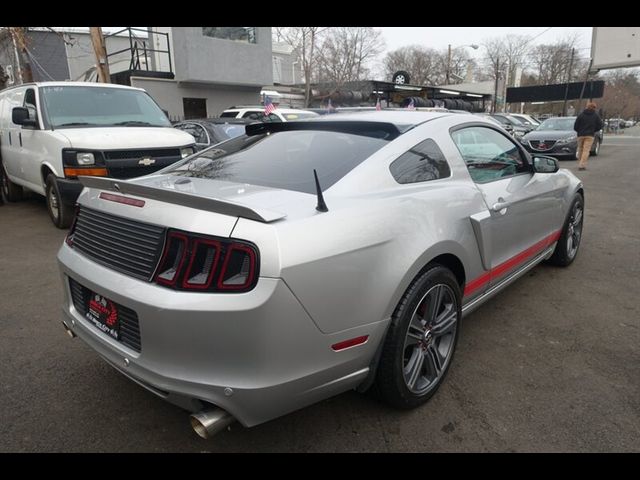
x,y
240,34
194,108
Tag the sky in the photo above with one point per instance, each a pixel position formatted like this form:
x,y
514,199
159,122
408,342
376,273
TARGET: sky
x,y
440,37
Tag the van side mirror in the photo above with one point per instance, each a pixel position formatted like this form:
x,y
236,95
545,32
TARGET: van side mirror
x,y
20,116
545,164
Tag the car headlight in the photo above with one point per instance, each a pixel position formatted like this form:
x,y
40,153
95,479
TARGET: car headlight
x,y
565,140
85,158
186,151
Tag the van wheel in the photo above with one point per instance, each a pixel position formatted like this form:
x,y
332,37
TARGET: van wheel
x,y
9,190
61,214
596,148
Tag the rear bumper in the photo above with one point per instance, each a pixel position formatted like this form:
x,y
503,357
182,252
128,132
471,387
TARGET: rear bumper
x,y
195,347
69,190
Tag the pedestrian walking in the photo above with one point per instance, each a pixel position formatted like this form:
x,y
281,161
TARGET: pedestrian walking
x,y
586,126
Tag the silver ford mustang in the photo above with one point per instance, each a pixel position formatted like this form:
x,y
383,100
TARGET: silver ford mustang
x,y
304,259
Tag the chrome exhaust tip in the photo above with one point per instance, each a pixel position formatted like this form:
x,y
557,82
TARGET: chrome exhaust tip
x,y
209,422
68,330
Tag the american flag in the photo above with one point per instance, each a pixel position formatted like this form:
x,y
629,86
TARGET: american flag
x,y
269,107
411,105
378,106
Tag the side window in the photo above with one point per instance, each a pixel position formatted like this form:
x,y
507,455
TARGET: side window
x,y
272,118
200,134
253,115
421,163
30,103
489,155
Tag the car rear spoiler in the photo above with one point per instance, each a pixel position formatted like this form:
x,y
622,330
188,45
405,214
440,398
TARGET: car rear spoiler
x,y
182,198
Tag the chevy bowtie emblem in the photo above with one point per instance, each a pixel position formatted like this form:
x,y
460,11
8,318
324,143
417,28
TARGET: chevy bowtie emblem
x,y
146,161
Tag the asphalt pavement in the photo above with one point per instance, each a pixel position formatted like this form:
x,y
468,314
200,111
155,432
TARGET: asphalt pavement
x,y
550,365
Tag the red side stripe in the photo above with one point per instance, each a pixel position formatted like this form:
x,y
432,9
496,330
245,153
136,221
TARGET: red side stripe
x,y
511,264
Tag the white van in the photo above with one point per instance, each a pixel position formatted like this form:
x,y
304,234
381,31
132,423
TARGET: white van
x,y
53,132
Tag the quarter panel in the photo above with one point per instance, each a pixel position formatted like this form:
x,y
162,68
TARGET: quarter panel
x,y
351,266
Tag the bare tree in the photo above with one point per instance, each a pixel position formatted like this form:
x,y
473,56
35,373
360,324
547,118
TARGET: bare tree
x,y
621,94
457,64
305,42
346,54
550,62
495,64
424,65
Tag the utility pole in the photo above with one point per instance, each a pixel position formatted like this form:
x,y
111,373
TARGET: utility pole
x,y
448,65
102,65
506,82
566,90
495,91
20,48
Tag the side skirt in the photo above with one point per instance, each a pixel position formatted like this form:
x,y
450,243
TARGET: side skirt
x,y
476,302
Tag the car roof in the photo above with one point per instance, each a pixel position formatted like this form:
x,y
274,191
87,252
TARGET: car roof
x,y
261,108
403,119
218,120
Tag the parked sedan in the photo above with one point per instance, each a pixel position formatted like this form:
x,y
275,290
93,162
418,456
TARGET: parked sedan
x,y
557,138
304,259
209,131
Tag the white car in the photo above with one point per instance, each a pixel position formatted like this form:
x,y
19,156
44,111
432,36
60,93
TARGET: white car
x,y
257,113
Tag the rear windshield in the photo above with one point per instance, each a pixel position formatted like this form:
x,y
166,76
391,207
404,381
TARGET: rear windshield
x,y
282,160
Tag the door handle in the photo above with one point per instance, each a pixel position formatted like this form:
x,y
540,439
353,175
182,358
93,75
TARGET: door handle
x,y
499,206
20,137
9,138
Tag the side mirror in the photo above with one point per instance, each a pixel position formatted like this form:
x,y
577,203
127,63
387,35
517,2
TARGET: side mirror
x,y
20,116
545,164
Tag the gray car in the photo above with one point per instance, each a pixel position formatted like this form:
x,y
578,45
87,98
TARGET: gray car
x,y
556,137
305,259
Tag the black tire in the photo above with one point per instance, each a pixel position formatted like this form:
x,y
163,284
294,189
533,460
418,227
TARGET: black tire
x,y
60,213
10,191
595,149
564,253
392,384
401,77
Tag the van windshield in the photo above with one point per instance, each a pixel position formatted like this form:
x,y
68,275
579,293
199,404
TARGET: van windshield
x,y
78,106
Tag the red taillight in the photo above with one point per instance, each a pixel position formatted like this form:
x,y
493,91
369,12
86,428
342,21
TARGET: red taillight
x,y
199,263
238,269
203,263
172,260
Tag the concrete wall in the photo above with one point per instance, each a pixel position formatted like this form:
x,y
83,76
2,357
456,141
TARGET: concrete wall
x,y
169,94
212,60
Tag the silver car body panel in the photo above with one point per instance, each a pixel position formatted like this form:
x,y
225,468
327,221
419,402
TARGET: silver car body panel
x,y
324,277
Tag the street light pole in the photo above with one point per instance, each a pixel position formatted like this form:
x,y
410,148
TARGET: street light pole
x,y
448,64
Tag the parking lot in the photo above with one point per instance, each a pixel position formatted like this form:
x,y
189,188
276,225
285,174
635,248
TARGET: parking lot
x,y
551,364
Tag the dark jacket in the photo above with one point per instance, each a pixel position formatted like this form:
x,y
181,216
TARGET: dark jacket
x,y
587,123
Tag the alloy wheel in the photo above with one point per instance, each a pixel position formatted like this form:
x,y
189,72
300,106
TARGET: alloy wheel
x,y
428,345
574,232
